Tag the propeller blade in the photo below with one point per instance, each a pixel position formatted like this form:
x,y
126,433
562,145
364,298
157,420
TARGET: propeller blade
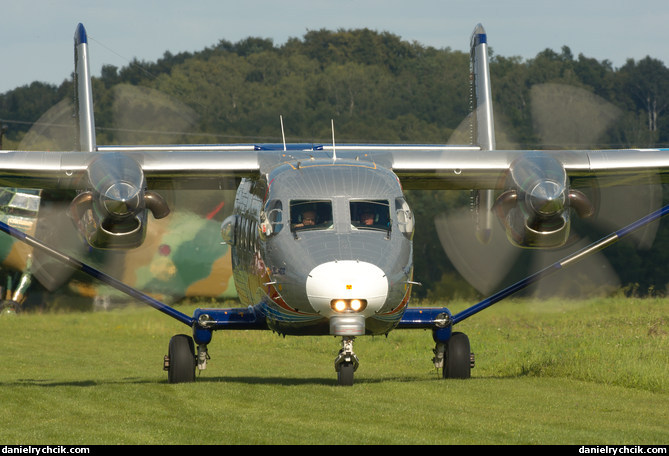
x,y
483,266
563,117
74,264
54,130
569,117
173,261
146,116
565,262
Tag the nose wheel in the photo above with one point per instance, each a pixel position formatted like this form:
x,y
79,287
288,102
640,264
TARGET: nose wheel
x,y
346,362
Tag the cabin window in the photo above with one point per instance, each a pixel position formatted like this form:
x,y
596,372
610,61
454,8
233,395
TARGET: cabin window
x,y
370,215
310,215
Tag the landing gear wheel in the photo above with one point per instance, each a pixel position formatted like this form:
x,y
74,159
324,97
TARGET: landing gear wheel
x,y
9,307
346,362
345,374
458,357
181,359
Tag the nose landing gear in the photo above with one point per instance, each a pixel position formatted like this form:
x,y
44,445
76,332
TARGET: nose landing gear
x,y
346,362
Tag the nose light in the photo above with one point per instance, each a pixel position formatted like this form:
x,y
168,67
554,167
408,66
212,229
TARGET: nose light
x,y
348,305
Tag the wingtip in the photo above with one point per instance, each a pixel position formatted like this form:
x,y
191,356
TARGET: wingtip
x,y
80,36
479,36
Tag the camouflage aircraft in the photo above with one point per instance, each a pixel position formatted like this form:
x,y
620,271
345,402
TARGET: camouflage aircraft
x,y
320,236
172,263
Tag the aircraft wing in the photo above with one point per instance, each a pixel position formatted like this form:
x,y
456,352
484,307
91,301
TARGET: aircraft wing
x,y
179,166
485,169
470,167
418,167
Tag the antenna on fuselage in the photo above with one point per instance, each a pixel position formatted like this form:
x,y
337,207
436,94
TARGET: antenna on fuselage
x,y
283,135
334,151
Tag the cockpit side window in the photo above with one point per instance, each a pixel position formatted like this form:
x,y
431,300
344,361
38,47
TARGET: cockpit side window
x,y
405,219
271,219
310,215
370,215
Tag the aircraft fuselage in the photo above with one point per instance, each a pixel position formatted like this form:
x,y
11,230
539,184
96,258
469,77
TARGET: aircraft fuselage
x,y
323,246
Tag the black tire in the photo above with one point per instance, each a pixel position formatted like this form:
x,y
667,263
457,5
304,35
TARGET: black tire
x,y
182,359
457,362
345,374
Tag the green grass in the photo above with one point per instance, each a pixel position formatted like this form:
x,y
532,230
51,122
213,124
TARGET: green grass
x,y
554,372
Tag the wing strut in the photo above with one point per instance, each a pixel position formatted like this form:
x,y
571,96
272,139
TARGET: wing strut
x,y
441,320
78,265
561,264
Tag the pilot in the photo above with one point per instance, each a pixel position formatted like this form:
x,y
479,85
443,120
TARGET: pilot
x,y
366,219
308,219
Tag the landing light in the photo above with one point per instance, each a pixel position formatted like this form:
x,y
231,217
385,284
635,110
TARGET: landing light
x,y
339,305
348,305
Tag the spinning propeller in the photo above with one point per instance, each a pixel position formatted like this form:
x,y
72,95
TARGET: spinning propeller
x,y
541,214
112,213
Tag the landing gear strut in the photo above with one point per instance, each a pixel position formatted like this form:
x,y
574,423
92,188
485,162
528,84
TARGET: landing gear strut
x,y
13,302
346,362
454,357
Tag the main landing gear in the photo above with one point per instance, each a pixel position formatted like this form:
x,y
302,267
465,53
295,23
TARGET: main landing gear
x,y
9,307
14,298
181,359
454,356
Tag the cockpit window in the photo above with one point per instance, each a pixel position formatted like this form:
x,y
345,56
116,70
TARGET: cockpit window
x,y
370,215
310,215
271,219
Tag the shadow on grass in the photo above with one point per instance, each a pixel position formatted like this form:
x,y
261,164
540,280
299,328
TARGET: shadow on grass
x,y
323,381
249,380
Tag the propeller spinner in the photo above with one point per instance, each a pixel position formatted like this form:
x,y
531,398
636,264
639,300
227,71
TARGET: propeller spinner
x,y
113,213
535,208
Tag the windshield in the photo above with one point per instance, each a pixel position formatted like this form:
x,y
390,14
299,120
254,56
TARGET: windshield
x,y
370,215
310,215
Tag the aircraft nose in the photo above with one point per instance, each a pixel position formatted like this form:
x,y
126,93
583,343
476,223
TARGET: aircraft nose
x,y
347,281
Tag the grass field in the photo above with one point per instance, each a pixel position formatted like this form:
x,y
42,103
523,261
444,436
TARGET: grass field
x,y
555,372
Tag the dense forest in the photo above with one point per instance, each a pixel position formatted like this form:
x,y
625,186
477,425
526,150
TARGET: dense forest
x,y
378,89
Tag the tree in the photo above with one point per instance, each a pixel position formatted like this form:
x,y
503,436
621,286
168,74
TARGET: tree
x,y
647,82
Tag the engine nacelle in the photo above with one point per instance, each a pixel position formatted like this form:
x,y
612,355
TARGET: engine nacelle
x,y
536,207
113,213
